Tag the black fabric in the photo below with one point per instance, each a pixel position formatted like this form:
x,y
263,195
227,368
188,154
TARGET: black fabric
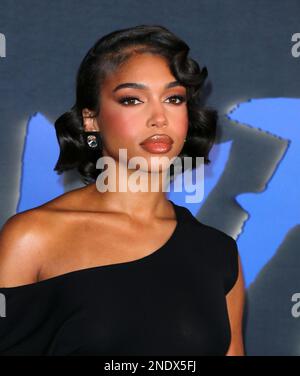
x,y
171,302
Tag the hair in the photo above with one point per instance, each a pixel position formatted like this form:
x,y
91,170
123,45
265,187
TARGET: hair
x,y
107,54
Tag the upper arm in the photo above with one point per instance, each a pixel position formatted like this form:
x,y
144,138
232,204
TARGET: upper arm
x,y
20,245
235,305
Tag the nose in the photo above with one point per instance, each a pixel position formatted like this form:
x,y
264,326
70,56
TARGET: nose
x,y
158,123
158,118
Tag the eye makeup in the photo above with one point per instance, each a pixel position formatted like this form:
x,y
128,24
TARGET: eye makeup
x,y
127,98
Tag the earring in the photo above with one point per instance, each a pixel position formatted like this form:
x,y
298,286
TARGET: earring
x,y
93,139
184,139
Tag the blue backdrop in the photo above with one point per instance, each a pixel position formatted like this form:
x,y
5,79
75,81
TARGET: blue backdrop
x,y
252,186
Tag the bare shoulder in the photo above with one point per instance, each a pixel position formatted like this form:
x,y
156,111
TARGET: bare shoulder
x,y
25,239
21,239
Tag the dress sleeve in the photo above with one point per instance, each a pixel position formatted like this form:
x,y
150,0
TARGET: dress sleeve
x,y
231,264
25,320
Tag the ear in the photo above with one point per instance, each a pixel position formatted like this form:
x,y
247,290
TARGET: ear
x,y
90,123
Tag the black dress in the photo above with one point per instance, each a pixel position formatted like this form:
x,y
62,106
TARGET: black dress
x,y
171,302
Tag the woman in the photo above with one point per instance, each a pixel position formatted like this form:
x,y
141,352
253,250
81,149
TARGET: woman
x,y
124,272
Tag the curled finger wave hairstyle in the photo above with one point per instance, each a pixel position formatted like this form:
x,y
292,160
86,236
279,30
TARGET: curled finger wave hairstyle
x,y
103,58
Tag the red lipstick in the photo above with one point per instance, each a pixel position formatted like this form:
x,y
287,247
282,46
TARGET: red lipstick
x,y
157,143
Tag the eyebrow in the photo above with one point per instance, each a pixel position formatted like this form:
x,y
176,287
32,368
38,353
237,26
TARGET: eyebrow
x,y
135,85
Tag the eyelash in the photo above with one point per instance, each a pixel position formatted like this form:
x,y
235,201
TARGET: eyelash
x,y
181,97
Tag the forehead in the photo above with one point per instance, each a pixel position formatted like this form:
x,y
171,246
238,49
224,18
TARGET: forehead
x,y
153,70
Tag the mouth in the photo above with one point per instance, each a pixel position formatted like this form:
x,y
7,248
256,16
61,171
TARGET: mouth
x,y
157,143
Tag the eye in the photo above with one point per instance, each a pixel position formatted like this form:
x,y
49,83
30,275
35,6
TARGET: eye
x,y
130,100
127,99
180,97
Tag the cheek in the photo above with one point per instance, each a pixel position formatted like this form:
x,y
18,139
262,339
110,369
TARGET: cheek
x,y
181,123
121,125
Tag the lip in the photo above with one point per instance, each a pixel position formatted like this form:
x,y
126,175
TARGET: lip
x,y
160,138
157,143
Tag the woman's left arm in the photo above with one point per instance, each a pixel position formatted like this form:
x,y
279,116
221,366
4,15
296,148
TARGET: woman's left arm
x,y
235,304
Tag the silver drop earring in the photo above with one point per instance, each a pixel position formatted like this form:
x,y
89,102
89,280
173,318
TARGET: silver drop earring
x,y
93,139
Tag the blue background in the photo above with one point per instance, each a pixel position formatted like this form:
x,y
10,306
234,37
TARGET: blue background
x,y
251,187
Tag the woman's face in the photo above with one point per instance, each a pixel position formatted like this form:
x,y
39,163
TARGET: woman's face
x,y
154,109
